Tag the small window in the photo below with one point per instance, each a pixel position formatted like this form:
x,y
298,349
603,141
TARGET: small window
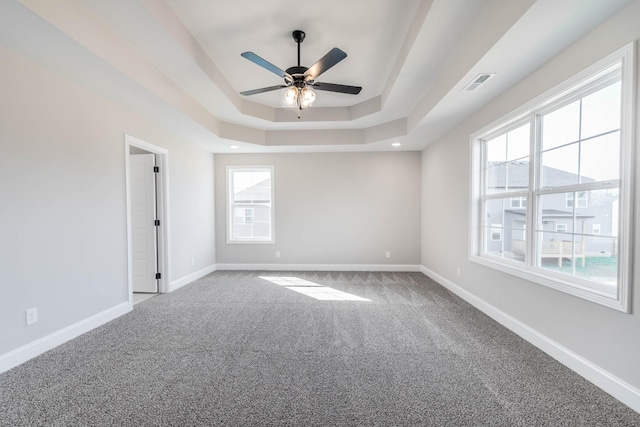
x,y
250,204
243,216
595,229
561,228
496,232
519,202
580,197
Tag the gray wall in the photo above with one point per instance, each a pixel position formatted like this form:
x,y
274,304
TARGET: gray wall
x,y
332,208
62,201
601,335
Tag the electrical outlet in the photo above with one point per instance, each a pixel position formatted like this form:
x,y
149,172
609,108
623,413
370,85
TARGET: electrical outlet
x,y
31,315
277,254
193,261
388,254
458,271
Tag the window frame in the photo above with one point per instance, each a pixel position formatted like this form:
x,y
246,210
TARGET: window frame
x,y
562,94
230,206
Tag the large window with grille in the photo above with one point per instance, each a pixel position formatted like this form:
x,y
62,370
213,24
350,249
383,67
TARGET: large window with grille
x,y
554,184
250,204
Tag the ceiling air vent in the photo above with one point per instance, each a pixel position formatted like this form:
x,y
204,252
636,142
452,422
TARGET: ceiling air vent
x,y
478,81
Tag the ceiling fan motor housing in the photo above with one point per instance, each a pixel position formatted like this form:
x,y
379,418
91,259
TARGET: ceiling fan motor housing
x,y
298,36
297,72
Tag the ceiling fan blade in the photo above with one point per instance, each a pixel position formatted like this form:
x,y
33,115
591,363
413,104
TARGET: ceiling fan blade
x,y
332,87
334,56
264,64
261,90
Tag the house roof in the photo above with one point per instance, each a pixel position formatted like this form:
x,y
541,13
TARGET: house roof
x,y
257,193
518,175
552,213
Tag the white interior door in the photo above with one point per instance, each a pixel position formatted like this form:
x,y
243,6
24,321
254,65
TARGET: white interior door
x,y
143,229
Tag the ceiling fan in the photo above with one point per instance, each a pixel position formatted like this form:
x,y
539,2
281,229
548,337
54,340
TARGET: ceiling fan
x,y
300,80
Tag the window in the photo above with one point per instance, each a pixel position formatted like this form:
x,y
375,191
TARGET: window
x,y
519,202
580,197
496,232
552,188
250,204
243,216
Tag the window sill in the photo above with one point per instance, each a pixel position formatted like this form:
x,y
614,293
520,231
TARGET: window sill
x,y
566,286
251,242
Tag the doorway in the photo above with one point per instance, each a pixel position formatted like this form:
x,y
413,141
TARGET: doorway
x,y
144,222
147,216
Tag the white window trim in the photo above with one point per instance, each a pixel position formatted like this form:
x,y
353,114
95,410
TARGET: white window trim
x,y
628,117
230,213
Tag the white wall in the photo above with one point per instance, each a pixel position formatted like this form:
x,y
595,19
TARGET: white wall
x,y
332,208
602,336
63,242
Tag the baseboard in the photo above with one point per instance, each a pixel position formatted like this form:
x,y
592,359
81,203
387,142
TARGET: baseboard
x,y
618,388
29,351
321,267
177,284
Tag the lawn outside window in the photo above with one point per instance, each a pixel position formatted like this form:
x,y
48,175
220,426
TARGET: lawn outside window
x,y
556,178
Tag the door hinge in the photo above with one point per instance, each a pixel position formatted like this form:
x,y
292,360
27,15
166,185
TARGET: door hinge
x,y
156,169
158,275
156,223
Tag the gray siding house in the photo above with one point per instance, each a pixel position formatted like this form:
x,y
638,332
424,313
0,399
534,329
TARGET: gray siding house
x,y
564,235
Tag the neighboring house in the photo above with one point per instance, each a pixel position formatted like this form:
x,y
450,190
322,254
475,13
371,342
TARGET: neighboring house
x,y
252,210
594,215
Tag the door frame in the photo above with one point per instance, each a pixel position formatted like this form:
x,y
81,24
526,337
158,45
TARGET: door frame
x,y
162,209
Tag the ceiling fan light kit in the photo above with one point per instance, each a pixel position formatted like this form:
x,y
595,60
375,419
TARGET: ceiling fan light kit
x,y
291,96
300,80
301,98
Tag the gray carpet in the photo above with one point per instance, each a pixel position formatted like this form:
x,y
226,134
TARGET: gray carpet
x,y
234,349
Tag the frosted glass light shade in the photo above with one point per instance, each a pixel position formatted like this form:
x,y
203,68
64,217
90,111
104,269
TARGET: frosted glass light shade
x,y
291,96
307,96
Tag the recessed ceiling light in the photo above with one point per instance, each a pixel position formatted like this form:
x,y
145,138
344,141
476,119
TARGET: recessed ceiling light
x,y
397,144
233,147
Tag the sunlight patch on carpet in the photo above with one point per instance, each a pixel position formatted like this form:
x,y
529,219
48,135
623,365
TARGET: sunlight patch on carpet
x,y
313,290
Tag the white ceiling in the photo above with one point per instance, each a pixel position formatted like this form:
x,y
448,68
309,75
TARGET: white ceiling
x,y
178,61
